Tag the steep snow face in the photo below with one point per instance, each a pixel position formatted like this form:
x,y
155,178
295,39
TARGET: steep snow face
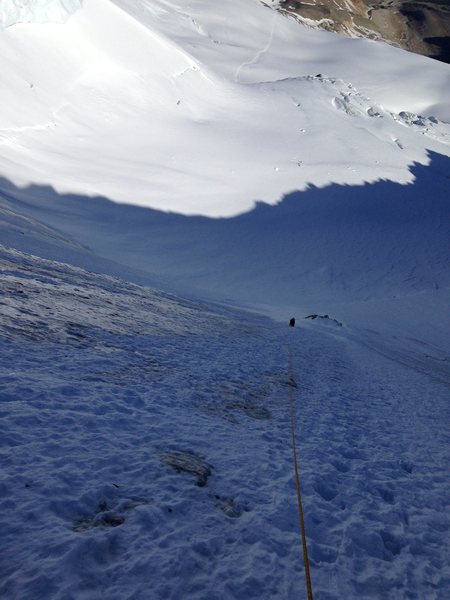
x,y
203,108
36,11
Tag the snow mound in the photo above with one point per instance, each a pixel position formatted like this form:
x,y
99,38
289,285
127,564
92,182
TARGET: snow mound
x,y
36,11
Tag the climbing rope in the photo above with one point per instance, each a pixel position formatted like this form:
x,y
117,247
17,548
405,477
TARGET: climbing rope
x,y
292,384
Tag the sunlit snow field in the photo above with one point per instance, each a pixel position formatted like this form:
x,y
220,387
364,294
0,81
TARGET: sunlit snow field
x,y
204,107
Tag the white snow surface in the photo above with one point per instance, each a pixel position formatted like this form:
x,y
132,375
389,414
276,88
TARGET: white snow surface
x,y
135,140
169,105
36,11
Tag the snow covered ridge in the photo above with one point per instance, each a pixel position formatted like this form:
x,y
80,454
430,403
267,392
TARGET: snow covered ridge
x,y
36,11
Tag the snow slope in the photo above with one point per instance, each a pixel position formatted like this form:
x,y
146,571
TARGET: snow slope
x,y
183,107
221,150
170,105
107,386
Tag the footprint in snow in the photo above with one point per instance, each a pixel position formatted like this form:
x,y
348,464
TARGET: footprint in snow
x,y
351,454
386,495
326,490
407,467
229,507
340,466
107,514
250,409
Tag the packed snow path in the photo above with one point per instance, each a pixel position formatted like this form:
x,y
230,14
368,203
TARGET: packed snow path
x,y
108,389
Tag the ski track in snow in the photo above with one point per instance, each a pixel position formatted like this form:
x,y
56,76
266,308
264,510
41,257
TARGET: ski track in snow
x,y
258,55
100,379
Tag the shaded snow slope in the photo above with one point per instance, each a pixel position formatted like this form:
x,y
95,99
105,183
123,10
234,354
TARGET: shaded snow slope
x,y
19,229
373,256
204,108
104,385
13,12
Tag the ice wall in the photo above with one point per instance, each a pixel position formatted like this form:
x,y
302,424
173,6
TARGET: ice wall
x,y
36,11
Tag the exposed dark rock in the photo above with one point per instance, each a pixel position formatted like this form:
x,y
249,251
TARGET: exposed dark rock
x,y
418,26
189,462
324,318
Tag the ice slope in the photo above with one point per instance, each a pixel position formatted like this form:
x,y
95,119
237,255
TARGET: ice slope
x,y
201,108
106,387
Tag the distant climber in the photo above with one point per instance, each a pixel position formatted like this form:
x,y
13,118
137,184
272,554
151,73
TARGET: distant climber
x,y
292,322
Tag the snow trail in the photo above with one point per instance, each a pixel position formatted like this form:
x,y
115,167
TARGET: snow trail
x,y
292,384
258,55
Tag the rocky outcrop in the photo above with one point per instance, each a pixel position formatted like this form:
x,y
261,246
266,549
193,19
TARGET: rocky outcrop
x,y
421,27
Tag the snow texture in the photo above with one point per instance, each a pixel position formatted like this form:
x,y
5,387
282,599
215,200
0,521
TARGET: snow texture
x,y
108,389
173,161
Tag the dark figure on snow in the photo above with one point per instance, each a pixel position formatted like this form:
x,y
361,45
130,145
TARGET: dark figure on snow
x,y
292,322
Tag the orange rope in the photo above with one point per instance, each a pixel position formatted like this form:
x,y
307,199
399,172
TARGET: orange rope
x,y
297,484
